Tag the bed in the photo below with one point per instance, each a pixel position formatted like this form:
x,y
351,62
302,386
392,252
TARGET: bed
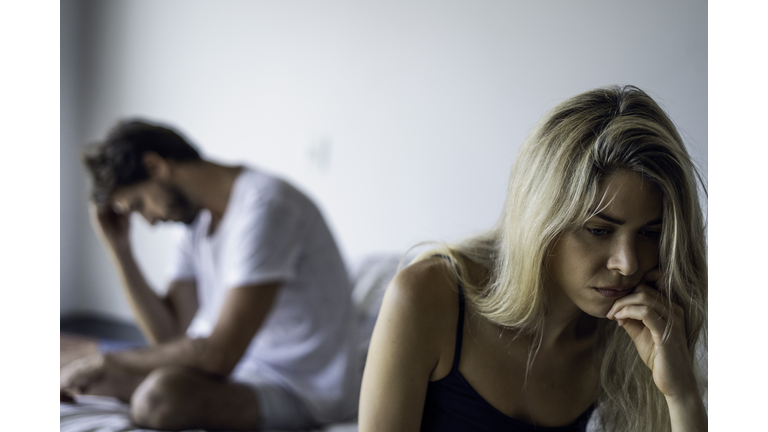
x,y
370,278
106,414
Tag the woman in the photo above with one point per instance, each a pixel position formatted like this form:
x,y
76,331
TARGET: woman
x,y
517,328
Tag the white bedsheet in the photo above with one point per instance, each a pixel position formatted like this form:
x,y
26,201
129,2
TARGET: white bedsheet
x,y
107,414
96,414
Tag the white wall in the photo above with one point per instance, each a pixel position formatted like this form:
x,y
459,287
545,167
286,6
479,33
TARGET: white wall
x,y
71,179
400,118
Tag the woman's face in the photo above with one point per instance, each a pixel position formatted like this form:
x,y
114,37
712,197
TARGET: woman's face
x,y
611,253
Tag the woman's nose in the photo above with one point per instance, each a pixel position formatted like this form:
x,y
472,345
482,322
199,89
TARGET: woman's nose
x,y
623,257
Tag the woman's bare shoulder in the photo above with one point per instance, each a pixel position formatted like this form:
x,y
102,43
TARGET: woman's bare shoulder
x,y
423,297
429,283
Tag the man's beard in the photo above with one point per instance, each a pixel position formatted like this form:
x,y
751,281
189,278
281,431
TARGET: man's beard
x,y
180,209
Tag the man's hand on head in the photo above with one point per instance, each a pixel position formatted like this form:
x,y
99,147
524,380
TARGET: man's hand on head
x,y
113,226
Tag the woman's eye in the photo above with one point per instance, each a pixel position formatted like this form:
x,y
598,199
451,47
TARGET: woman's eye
x,y
651,234
598,231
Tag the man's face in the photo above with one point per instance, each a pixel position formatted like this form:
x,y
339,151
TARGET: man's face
x,y
610,254
156,201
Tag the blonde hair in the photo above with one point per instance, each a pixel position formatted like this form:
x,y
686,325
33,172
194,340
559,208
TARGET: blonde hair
x,y
553,187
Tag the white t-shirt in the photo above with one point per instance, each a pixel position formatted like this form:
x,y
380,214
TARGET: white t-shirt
x,y
271,232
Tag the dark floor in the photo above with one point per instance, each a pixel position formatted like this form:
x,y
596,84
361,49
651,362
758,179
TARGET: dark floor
x,y
108,331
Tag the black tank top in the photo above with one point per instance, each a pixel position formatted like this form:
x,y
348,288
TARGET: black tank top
x,y
452,404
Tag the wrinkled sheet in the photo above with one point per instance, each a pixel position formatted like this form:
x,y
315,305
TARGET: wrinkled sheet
x,y
107,414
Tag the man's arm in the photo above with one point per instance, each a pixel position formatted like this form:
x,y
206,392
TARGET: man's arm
x,y
160,318
242,314
118,373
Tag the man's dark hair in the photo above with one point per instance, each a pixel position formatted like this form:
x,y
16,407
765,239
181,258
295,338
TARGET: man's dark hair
x,y
118,162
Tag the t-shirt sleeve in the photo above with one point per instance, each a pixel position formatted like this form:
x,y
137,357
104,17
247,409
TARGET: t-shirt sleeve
x,y
264,244
182,264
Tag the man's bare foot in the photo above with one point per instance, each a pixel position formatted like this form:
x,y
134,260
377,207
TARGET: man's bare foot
x,y
66,396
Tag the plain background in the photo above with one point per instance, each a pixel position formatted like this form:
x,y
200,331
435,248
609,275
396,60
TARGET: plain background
x,y
30,185
401,119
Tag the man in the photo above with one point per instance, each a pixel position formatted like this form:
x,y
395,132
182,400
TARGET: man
x,y
254,330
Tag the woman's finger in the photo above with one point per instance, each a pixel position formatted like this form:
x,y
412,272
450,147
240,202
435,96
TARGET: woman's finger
x,y
642,295
652,276
655,322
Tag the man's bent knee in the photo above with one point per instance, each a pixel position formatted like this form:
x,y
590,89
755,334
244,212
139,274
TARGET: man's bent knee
x,y
158,402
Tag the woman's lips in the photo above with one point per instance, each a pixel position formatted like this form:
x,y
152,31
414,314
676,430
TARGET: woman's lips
x,y
614,291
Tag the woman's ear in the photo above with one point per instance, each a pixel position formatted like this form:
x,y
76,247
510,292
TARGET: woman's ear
x,y
157,167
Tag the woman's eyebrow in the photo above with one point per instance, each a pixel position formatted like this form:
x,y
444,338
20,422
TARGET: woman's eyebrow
x,y
607,218
654,222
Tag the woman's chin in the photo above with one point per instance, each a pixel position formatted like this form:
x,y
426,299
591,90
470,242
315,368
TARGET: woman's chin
x,y
599,310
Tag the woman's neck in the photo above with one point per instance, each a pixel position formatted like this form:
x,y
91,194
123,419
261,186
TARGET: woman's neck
x,y
565,323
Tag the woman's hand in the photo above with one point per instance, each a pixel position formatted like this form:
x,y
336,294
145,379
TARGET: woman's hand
x,y
644,314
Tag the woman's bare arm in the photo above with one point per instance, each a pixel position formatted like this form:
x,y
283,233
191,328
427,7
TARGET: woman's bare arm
x,y
644,315
413,337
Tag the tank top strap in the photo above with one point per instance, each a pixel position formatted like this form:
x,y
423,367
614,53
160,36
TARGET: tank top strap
x,y
459,332
460,323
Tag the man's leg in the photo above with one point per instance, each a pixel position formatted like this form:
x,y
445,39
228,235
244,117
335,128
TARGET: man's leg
x,y
179,398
